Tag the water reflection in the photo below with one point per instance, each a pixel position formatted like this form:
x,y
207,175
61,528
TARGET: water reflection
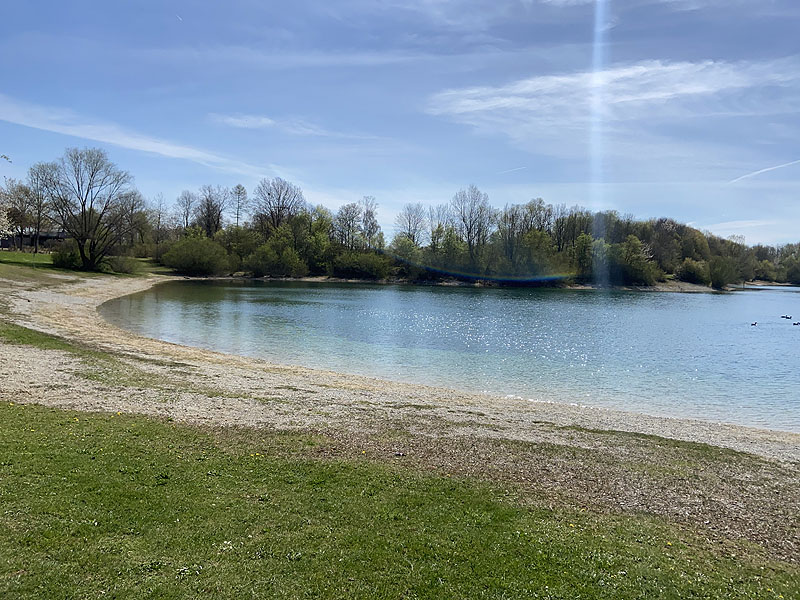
x,y
691,355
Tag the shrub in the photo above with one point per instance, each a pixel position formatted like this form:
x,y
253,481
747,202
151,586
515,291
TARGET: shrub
x,y
142,250
123,264
268,260
722,271
694,271
197,256
361,265
65,256
629,264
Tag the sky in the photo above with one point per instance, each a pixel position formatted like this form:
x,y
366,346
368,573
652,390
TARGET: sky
x,y
679,108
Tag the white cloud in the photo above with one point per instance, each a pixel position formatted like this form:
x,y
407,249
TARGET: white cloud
x,y
635,106
282,61
297,127
66,122
747,224
243,121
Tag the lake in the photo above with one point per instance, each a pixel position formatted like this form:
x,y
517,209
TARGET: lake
x,y
673,354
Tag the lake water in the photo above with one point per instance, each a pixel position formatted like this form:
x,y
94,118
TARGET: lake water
x,y
688,355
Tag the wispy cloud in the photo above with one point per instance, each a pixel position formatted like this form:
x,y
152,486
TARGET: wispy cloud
x,y
767,170
278,61
622,88
638,106
298,127
67,122
747,224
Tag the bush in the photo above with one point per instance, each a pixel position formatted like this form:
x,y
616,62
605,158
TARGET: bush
x,y
629,264
142,250
722,271
694,271
197,256
276,263
361,265
65,256
123,264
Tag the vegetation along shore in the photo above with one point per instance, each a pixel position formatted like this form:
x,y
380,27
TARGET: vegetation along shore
x,y
88,211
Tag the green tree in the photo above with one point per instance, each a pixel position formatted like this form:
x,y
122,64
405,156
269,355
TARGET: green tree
x,y
694,271
722,271
582,257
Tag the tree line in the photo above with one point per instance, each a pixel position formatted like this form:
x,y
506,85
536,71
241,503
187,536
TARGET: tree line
x,y
273,231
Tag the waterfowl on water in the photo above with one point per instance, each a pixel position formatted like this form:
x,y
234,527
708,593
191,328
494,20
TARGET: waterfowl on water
x,y
753,324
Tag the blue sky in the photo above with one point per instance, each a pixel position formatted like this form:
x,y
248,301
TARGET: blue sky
x,y
680,108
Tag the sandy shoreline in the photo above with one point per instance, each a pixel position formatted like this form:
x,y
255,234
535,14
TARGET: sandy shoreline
x,y
315,398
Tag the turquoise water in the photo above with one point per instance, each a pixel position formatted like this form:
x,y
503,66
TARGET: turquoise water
x,y
687,355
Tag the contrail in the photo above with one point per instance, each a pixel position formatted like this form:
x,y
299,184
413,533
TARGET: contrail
x,y
512,170
760,171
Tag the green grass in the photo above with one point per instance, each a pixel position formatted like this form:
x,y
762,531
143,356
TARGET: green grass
x,y
11,333
116,506
145,266
27,259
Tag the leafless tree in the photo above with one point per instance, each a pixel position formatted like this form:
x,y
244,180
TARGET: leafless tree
x,y
40,206
472,218
347,225
18,203
410,222
559,232
185,205
369,222
239,202
511,226
537,215
276,201
212,202
159,221
93,201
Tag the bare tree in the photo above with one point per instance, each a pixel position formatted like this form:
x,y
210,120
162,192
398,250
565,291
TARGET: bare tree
x,y
185,205
159,221
472,218
40,207
94,201
276,202
18,201
239,202
347,225
211,205
510,229
559,232
537,215
410,222
369,223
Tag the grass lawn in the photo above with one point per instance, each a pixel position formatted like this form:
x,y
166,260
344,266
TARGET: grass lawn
x,y
144,266
116,506
28,259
